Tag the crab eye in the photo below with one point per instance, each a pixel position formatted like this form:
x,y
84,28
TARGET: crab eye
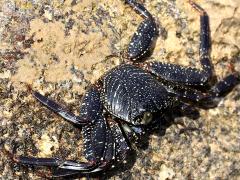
x,y
147,118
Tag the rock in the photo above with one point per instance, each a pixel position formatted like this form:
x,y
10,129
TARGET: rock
x,y
166,173
60,47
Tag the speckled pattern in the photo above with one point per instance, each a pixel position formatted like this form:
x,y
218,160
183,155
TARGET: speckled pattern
x,y
60,47
143,39
129,92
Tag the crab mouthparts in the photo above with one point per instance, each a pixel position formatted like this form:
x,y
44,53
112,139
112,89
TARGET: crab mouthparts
x,y
146,118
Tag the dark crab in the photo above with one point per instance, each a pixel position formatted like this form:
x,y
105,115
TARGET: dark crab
x,y
130,94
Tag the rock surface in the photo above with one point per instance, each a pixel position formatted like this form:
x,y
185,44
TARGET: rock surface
x,y
60,47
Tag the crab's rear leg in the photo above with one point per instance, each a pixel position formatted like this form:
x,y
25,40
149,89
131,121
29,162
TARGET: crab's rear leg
x,y
208,99
205,44
144,38
189,76
58,109
225,85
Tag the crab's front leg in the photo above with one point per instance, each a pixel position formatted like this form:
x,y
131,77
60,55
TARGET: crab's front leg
x,y
144,38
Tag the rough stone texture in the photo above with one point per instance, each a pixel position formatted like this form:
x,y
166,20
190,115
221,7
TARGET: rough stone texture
x,y
60,47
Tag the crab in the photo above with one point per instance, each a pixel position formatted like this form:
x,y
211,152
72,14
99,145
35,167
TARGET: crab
x,y
121,104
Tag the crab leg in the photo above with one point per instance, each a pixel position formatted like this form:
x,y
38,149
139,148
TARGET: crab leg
x,y
189,76
62,168
205,46
58,109
144,38
209,99
122,146
98,139
53,162
225,85
68,168
139,8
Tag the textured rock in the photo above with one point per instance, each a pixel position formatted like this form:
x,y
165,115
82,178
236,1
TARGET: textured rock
x,y
60,47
